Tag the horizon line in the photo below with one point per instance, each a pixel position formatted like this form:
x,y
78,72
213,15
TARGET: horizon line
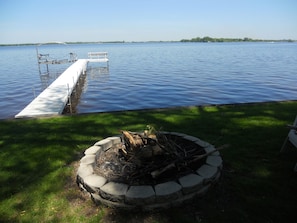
x,y
153,41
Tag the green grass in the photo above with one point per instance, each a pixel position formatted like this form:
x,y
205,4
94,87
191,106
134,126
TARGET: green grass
x,y
38,160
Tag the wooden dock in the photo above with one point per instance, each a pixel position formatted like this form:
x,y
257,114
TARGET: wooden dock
x,y
54,98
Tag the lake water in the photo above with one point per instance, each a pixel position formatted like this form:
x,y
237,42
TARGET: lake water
x,y
156,75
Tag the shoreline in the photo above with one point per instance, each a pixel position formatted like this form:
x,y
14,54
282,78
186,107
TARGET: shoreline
x,y
153,109
183,107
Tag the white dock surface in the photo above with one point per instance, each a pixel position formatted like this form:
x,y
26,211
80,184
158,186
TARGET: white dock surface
x,y
54,98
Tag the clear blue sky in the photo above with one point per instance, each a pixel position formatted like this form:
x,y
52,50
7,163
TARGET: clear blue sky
x,y
38,21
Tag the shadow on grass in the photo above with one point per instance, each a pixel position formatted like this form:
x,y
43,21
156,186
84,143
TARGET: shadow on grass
x,y
256,180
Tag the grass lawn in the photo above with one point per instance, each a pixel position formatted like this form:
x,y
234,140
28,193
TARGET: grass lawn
x,y
39,157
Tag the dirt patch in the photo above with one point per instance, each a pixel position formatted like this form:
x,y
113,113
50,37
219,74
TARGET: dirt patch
x,y
78,198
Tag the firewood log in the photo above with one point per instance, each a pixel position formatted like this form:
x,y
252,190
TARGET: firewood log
x,y
155,174
135,141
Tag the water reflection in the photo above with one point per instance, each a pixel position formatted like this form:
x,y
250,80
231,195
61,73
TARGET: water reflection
x,y
98,72
48,78
74,98
93,73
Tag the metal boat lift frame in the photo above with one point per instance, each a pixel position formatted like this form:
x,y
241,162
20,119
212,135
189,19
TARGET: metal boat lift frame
x,y
46,59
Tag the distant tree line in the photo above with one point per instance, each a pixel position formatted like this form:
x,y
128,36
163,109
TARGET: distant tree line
x,y
246,39
197,39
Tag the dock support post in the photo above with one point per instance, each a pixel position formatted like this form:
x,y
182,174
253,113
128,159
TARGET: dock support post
x,y
69,99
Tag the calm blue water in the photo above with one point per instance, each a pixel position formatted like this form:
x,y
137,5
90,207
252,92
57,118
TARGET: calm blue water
x,y
157,75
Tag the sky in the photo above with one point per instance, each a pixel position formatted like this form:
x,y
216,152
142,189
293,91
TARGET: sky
x,y
38,21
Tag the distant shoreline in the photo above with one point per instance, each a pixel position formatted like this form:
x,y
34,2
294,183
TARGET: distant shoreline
x,y
197,39
246,39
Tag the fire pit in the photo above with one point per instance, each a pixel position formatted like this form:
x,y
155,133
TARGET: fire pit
x,y
148,170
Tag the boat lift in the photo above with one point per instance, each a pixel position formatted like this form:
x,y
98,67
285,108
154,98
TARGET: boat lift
x,y
46,59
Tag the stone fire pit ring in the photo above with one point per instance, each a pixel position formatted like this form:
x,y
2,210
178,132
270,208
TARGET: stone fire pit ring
x,y
147,197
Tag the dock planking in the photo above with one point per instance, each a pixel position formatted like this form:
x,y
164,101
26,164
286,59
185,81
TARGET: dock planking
x,y
55,97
